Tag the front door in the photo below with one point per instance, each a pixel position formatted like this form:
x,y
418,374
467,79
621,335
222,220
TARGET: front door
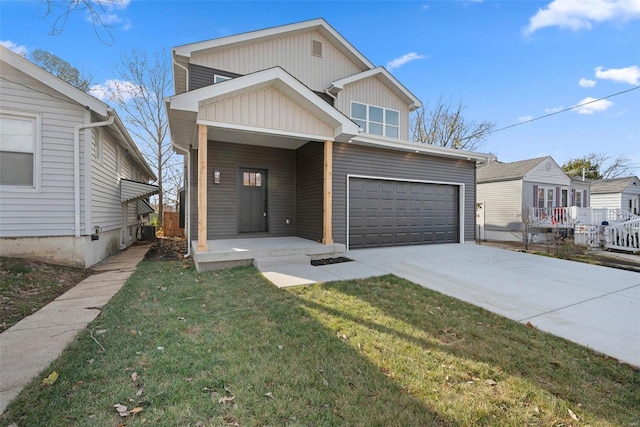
x,y
252,200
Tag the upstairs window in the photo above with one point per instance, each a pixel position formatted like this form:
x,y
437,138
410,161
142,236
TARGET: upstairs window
x,y
19,144
376,120
219,79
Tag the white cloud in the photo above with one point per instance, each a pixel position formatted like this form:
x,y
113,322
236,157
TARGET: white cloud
x,y
630,75
582,14
553,109
110,17
593,105
114,89
586,83
399,62
19,49
525,119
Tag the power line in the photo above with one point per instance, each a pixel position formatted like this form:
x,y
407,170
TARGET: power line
x,y
566,109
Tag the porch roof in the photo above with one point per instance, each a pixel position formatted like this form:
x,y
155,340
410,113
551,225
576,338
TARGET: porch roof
x,y
188,109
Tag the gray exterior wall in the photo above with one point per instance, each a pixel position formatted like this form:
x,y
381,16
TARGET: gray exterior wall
x,y
200,76
309,190
353,159
222,220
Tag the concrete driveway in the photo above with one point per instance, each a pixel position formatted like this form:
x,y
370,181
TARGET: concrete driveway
x,y
598,307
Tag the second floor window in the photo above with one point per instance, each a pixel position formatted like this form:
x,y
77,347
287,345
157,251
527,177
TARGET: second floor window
x,y
376,120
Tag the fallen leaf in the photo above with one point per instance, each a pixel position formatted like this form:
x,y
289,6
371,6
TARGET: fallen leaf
x,y
182,318
90,361
136,410
490,382
325,382
135,377
50,380
226,399
101,331
530,325
161,348
122,410
573,415
269,395
139,392
133,332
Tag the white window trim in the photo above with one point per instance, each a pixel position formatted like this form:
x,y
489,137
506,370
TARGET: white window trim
x,y
384,123
546,193
37,150
578,195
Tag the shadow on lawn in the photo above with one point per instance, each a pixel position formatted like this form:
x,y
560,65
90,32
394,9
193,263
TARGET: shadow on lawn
x,y
597,384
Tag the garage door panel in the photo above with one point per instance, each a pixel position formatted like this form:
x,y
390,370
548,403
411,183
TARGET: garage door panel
x,y
386,213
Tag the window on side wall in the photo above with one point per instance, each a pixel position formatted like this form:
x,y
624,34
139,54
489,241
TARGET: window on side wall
x,y
19,150
579,198
219,79
546,197
376,120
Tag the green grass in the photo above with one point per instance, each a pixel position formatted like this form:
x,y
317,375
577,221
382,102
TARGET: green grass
x,y
375,352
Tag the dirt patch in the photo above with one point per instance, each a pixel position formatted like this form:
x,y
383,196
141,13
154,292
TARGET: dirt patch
x,y
167,249
26,286
569,251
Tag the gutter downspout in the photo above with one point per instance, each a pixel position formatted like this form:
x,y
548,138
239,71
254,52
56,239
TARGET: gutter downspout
x,y
76,163
187,197
186,70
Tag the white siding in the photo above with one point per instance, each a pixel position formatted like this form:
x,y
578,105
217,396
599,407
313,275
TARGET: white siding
x,y
502,204
374,92
266,108
555,176
291,52
610,201
49,212
105,202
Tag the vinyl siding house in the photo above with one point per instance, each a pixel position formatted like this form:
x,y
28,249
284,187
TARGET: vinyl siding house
x,y
290,132
617,193
73,184
536,190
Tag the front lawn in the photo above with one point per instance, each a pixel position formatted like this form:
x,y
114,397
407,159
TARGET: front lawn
x,y
228,348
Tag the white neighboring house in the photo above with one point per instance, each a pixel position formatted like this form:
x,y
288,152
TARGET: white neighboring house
x,y
536,190
73,184
617,193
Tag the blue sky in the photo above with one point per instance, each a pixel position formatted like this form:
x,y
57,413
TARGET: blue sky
x,y
505,61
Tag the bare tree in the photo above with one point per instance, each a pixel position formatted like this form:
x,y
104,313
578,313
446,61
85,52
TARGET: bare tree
x,y
62,69
144,81
599,166
61,10
444,126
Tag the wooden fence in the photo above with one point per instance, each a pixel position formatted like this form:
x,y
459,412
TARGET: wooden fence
x,y
171,225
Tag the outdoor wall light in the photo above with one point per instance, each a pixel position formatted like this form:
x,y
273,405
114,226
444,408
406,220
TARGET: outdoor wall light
x,y
216,177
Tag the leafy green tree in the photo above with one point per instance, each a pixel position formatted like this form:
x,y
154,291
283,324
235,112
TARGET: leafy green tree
x,y
61,68
576,167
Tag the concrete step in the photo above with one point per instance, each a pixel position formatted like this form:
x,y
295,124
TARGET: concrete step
x,y
262,263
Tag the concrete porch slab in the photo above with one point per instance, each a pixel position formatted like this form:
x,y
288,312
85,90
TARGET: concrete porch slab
x,y
224,253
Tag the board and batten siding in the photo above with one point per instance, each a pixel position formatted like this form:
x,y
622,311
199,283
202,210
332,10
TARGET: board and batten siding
x,y
502,205
309,190
222,215
49,211
293,52
266,108
372,91
351,159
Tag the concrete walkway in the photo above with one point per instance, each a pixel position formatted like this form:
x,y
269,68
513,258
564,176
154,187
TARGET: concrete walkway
x,y
598,307
32,344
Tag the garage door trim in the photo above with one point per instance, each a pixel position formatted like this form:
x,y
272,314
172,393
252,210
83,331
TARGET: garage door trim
x,y
460,185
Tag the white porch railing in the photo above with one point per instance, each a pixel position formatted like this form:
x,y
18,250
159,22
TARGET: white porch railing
x,y
623,236
551,217
569,217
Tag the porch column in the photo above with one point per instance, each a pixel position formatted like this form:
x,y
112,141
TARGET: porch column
x,y
202,189
327,234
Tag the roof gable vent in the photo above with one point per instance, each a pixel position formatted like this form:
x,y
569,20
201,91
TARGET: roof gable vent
x,y
316,48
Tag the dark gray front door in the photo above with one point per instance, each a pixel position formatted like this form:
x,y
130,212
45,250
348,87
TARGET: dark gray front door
x,y
396,213
252,200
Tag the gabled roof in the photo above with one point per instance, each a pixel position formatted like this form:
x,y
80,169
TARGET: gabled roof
x,y
615,185
93,104
318,24
497,171
387,78
273,77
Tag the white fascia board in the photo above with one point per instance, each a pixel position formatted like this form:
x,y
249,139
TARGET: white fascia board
x,y
53,82
188,49
416,147
391,81
190,101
